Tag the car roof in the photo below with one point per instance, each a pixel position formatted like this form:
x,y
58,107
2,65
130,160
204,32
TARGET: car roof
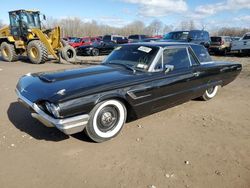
x,y
160,44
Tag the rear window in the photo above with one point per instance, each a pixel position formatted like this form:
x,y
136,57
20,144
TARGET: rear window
x,y
133,37
202,53
215,39
199,35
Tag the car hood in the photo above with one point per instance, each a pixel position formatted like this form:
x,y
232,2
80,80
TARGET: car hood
x,y
68,84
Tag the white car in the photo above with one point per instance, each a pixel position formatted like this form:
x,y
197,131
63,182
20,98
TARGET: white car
x,y
242,45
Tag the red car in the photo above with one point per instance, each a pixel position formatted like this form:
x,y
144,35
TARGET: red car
x,y
84,41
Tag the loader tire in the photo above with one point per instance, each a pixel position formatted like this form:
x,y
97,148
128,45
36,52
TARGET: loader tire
x,y
8,52
37,52
68,53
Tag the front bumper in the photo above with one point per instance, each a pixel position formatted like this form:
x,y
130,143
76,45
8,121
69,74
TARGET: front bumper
x,y
68,126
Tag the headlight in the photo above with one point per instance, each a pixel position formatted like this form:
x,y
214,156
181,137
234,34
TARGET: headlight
x,y
53,109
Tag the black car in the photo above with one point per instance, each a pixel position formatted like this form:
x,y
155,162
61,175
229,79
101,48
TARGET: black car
x,y
118,39
136,38
133,81
193,36
97,48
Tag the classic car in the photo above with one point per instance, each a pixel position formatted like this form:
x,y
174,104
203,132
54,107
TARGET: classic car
x,y
133,81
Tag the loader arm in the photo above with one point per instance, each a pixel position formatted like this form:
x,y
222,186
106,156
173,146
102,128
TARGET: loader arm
x,y
51,42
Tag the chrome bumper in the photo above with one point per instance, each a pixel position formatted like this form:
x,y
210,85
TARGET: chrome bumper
x,y
68,126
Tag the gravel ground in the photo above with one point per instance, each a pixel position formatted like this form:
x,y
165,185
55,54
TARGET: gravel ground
x,y
197,144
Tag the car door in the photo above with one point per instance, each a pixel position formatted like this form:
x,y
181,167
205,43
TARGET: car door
x,y
174,87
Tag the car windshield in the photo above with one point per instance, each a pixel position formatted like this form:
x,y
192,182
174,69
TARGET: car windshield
x,y
178,35
135,56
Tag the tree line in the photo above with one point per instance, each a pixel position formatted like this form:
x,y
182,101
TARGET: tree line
x,y
78,28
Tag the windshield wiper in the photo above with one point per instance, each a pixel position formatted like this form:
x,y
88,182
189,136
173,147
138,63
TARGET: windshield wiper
x,y
124,65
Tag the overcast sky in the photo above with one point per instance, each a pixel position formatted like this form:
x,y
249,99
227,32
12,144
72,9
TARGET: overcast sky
x,y
212,13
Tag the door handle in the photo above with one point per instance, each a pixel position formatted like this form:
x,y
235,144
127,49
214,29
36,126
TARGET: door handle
x,y
196,74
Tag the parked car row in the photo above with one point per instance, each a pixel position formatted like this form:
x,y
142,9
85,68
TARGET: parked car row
x,y
220,45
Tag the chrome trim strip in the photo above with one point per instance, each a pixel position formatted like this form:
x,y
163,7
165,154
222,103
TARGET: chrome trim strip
x,y
133,96
68,125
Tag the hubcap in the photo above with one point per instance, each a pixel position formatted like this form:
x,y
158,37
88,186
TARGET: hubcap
x,y
34,52
210,90
70,53
107,118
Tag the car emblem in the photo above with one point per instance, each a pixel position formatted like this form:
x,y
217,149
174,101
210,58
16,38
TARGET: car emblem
x,y
23,90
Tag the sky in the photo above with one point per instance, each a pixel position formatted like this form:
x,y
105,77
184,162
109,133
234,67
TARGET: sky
x,y
208,13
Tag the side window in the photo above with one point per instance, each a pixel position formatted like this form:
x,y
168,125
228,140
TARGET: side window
x,y
206,35
193,59
177,57
159,65
202,53
246,37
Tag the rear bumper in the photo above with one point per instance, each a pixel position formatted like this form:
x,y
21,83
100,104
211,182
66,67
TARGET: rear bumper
x,y
68,126
216,49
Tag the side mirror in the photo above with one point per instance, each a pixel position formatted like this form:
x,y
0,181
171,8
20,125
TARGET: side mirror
x,y
168,68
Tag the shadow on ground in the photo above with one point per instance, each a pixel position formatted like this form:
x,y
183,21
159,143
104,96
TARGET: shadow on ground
x,y
20,117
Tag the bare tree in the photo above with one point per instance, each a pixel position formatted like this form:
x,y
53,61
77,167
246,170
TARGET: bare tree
x,y
79,28
167,29
187,25
155,27
192,25
232,31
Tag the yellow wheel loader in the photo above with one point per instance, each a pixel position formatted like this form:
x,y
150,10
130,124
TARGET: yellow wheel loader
x,y
24,35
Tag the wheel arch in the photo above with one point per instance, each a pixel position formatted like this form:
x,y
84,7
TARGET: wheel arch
x,y
131,114
5,39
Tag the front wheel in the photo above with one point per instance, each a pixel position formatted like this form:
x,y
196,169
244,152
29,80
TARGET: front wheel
x,y
106,120
210,93
37,52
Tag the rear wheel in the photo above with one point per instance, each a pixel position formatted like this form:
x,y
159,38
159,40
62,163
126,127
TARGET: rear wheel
x,y
106,120
37,52
8,52
95,52
210,93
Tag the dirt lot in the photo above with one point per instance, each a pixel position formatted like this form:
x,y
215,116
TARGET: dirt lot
x,y
197,144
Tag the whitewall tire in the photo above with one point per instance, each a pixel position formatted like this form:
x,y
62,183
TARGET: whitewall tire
x,y
106,120
210,93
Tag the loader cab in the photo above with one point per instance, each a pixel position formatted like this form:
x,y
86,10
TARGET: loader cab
x,y
22,20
